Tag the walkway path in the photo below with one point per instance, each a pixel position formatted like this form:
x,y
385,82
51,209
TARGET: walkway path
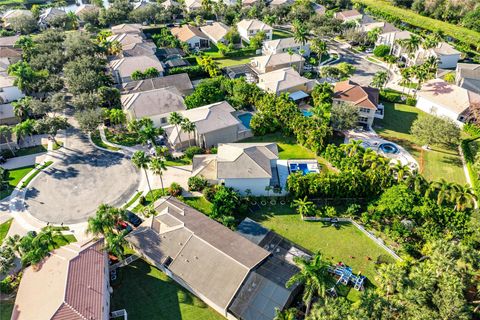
x,y
24,161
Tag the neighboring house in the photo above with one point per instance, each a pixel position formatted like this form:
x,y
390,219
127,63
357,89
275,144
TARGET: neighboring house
x,y
71,283
8,56
468,76
7,115
8,42
447,55
444,99
193,5
349,16
391,39
156,104
86,8
241,70
240,166
127,28
8,91
146,48
384,27
248,28
249,3
216,32
180,81
167,4
283,45
49,15
124,67
272,62
365,98
7,16
213,262
214,124
279,3
285,80
126,39
191,35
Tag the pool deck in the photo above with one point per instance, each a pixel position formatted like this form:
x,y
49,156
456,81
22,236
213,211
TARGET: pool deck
x,y
372,140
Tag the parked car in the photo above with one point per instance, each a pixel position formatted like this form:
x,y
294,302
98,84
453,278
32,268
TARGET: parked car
x,y
160,141
2,160
121,225
133,219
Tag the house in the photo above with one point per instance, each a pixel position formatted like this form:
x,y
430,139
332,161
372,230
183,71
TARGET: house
x,y
85,9
468,76
284,80
211,261
448,100
8,91
272,62
241,70
8,42
49,15
248,28
191,35
279,3
11,14
124,67
249,3
391,39
180,81
146,48
214,124
7,115
365,98
156,104
384,27
8,56
240,166
348,16
446,55
176,63
284,45
319,9
167,4
193,5
71,283
216,32
127,28
126,39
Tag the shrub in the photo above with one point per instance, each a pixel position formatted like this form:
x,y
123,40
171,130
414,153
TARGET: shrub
x,y
194,72
472,129
209,192
411,101
391,96
142,200
175,189
191,151
381,50
10,283
214,150
197,183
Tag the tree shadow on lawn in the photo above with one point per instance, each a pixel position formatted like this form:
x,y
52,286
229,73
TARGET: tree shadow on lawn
x,y
395,119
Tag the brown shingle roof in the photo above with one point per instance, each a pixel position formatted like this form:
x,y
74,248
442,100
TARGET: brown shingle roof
x,y
187,32
350,91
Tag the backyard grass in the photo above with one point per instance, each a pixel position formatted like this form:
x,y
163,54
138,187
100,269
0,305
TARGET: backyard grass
x,y
147,293
408,16
151,197
346,244
62,241
199,203
4,227
280,34
14,177
233,61
288,148
436,163
6,309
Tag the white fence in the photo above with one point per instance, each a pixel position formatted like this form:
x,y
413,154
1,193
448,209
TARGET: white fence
x,y
124,262
119,313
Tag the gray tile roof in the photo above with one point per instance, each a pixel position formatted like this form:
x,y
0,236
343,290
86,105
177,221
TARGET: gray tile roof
x,y
153,102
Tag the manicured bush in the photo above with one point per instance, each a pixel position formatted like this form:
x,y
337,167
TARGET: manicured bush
x,y
472,129
191,151
209,192
381,50
175,189
411,101
391,96
197,183
194,72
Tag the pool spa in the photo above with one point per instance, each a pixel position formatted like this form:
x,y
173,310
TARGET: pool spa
x,y
388,148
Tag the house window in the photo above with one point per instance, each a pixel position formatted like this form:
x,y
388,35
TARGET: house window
x,y
363,119
365,110
163,120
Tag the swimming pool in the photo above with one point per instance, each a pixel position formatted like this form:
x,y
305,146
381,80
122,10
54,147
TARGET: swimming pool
x,y
307,113
246,118
388,148
305,168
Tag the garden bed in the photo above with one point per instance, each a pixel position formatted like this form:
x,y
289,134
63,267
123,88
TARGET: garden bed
x,y
126,139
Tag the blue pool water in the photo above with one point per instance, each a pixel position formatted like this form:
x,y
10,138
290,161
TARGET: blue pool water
x,y
388,148
246,118
307,113
294,167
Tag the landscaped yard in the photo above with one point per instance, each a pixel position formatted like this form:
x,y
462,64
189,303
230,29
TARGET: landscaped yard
x,y
122,138
233,61
147,293
346,244
436,163
97,140
62,241
150,197
14,177
6,309
25,151
4,227
280,34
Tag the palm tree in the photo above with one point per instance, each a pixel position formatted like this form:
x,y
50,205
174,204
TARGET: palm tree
x,y
21,108
463,197
406,74
189,127
6,132
300,32
431,65
411,45
141,161
288,314
290,53
175,119
115,244
319,47
157,166
373,34
430,42
313,276
304,207
401,170
113,47
444,190
104,220
380,79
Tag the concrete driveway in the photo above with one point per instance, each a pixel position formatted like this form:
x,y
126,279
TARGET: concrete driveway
x,y
178,174
81,179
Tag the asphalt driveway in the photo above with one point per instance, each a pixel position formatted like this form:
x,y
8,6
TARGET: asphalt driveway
x,y
82,178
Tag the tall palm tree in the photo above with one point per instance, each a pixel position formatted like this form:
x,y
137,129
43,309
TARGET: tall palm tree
x,y
406,74
176,119
104,220
373,34
313,276
304,207
115,243
411,45
5,133
141,161
300,32
290,53
157,166
401,171
444,190
319,47
189,127
380,79
463,197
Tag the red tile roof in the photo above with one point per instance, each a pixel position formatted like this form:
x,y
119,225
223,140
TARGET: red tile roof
x,y
349,91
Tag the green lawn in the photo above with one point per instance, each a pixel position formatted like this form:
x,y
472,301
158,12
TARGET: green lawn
x,y
178,162
95,136
6,309
147,293
151,197
346,244
133,199
122,138
14,177
288,148
408,16
280,34
4,227
199,203
227,62
62,241
434,164
33,175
